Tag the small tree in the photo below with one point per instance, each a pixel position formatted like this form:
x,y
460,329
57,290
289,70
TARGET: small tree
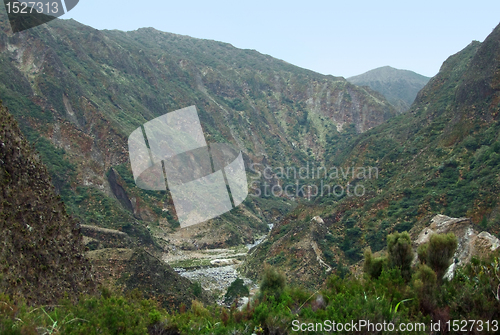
x,y
423,253
424,282
197,289
273,282
235,290
400,253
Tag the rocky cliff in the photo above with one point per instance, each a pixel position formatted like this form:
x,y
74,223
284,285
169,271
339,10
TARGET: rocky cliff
x,y
41,254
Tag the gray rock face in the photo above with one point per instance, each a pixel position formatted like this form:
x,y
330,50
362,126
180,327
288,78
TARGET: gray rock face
x,y
119,191
470,242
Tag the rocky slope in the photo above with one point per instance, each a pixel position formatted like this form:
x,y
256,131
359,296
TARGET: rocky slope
x,y
41,254
129,269
78,93
47,255
295,246
400,87
120,264
442,156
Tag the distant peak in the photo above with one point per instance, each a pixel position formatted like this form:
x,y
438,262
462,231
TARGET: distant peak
x,y
400,87
383,73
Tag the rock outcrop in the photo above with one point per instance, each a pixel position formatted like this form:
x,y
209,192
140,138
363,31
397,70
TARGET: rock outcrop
x,y
300,249
470,242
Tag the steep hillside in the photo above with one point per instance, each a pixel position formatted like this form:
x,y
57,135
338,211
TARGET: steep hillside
x,y
41,255
400,87
44,258
78,93
131,269
441,157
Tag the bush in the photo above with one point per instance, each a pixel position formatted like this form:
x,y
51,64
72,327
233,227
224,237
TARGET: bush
x,y
400,253
273,283
197,289
440,251
425,285
422,252
108,314
373,266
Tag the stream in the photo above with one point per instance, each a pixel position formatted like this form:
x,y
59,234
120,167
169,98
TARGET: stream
x,y
214,269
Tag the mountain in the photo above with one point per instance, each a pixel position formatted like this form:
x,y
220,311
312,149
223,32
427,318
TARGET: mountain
x,y
78,93
41,256
441,157
400,87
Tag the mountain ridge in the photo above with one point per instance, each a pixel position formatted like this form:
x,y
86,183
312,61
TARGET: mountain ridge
x,y
78,92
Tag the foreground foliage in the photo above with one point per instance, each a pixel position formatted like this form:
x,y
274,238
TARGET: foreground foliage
x,y
472,294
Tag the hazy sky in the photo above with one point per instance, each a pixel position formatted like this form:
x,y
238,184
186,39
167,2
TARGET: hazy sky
x,y
342,38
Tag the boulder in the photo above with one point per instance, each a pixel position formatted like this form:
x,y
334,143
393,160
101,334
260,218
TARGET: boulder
x,y
470,242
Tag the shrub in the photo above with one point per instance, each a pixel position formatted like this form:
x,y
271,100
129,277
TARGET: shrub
x,y
197,289
400,253
198,309
422,252
440,251
425,285
273,283
426,275
373,266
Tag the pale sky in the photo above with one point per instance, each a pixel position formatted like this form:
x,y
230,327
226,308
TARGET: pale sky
x,y
341,38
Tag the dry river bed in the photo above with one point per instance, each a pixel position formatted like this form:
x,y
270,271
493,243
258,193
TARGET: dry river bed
x,y
214,269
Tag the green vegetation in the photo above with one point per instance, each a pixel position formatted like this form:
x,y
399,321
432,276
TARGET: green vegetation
x,y
434,256
373,266
387,298
273,282
41,252
190,263
99,86
400,253
107,314
437,253
441,157
236,290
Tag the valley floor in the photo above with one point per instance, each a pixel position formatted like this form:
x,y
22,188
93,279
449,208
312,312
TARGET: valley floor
x,y
213,269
